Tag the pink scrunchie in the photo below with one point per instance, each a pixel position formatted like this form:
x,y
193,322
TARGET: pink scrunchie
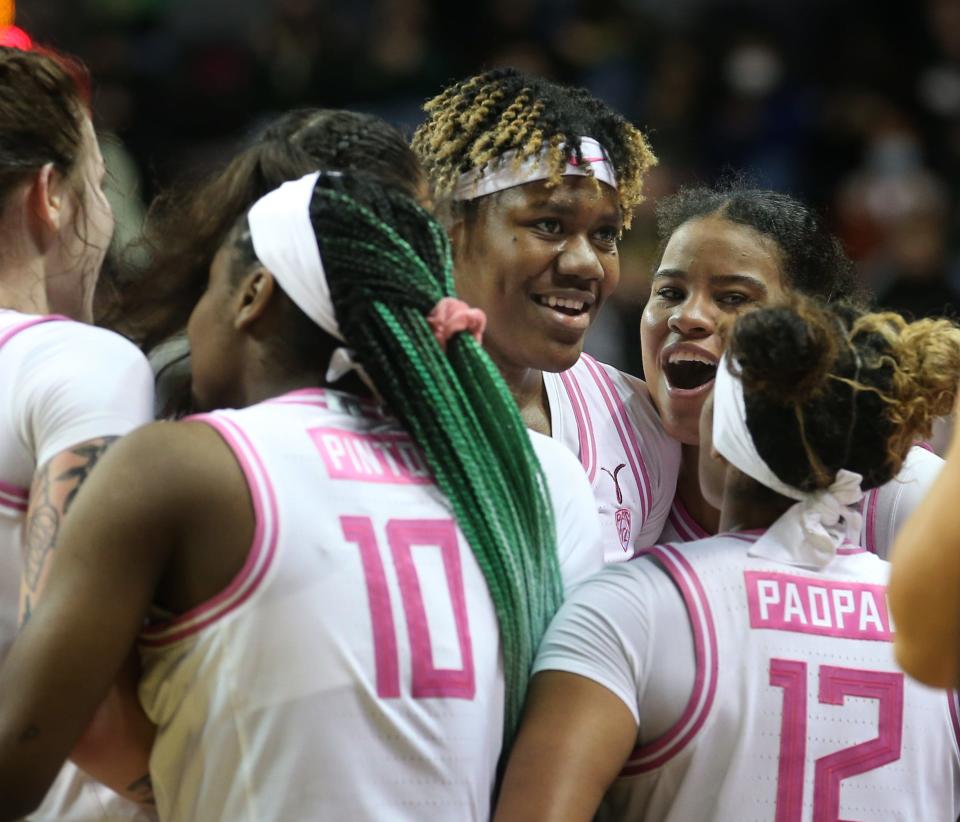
x,y
451,316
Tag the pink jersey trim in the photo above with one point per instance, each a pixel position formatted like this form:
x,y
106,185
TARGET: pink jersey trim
x,y
684,523
262,550
20,506
318,397
14,491
7,335
870,517
652,756
750,536
952,699
588,444
13,494
625,431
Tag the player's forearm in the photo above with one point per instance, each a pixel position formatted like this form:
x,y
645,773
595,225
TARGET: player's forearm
x,y
115,748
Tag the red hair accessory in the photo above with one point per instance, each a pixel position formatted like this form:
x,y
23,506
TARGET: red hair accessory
x,y
451,316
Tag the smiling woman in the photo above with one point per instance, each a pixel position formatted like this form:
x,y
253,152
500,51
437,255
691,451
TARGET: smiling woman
x,y
535,183
725,251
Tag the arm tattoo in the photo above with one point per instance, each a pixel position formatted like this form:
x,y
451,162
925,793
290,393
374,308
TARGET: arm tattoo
x,y
142,790
46,511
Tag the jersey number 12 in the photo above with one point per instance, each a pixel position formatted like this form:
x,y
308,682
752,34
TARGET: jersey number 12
x,y
835,684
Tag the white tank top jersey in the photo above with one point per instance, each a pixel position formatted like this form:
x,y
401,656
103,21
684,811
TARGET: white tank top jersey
x,y
351,670
884,509
61,383
607,419
785,700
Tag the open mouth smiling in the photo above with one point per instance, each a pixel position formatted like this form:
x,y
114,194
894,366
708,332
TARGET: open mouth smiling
x,y
687,370
570,306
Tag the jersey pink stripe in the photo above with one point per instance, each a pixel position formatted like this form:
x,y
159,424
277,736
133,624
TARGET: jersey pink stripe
x,y
318,397
6,336
626,439
679,526
647,487
259,559
692,526
588,448
952,698
742,536
705,644
589,422
14,491
870,516
20,507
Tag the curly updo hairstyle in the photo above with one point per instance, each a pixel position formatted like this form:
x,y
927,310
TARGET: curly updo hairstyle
x,y
831,387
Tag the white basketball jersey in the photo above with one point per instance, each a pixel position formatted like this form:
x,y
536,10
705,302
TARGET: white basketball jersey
x,y
798,710
608,420
884,509
61,383
351,670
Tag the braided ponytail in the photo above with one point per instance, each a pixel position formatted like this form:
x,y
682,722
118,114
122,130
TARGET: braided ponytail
x,y
388,263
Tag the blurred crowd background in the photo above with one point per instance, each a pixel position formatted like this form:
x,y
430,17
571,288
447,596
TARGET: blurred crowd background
x,y
853,105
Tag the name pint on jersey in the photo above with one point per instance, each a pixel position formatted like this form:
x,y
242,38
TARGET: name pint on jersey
x,y
389,457
787,602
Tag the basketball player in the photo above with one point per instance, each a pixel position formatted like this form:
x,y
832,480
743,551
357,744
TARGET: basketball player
x,y
751,675
344,604
535,183
67,390
726,251
188,224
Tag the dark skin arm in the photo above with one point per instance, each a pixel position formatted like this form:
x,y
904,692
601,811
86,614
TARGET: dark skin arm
x,y
151,515
574,740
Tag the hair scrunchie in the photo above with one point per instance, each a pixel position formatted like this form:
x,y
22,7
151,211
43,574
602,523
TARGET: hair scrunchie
x,y
452,316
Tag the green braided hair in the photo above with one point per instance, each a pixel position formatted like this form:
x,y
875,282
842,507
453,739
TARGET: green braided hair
x,y
473,123
388,263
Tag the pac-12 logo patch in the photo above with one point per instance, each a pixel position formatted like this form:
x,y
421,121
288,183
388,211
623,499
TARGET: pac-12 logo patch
x,y
623,527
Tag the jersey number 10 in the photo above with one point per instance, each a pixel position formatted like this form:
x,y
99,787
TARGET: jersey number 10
x,y
402,536
835,684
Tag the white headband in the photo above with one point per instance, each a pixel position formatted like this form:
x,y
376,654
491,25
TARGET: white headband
x,y
505,173
285,243
810,532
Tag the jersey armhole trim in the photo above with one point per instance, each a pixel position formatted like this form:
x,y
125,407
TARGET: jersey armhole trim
x,y
7,335
625,430
262,549
648,757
